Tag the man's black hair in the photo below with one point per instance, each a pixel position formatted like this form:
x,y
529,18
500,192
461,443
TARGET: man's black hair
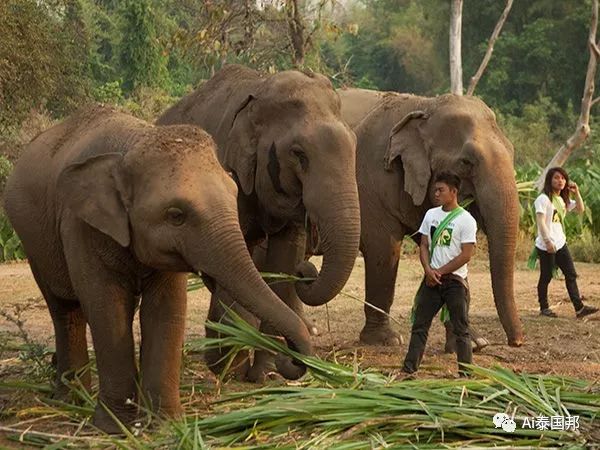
x,y
449,178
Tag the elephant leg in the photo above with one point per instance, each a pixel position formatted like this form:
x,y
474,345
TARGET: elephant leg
x,y
70,339
381,252
162,320
218,359
110,311
285,250
108,303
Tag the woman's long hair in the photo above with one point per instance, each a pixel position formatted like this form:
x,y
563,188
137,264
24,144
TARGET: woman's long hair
x,y
548,184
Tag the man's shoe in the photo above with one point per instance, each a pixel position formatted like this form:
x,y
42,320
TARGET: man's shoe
x,y
549,313
479,344
586,311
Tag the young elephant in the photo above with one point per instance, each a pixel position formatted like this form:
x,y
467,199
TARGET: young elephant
x,y
110,208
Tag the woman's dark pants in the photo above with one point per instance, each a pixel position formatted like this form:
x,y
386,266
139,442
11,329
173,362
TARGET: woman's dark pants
x,y
562,259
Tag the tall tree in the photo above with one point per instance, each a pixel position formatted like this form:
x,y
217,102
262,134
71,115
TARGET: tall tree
x,y
582,129
141,56
456,81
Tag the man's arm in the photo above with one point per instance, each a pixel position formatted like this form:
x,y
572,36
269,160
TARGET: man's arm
x,y
432,275
464,257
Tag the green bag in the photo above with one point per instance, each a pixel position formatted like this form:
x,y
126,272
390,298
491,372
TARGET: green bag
x,y
444,314
533,256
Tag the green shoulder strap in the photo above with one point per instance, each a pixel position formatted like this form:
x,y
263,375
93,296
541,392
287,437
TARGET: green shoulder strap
x,y
442,227
562,212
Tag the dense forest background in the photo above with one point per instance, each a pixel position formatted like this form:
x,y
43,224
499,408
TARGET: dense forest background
x,y
56,55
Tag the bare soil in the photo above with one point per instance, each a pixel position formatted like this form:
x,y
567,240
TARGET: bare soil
x,y
564,346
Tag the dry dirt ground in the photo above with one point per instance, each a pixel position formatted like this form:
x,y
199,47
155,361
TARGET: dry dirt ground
x,y
564,346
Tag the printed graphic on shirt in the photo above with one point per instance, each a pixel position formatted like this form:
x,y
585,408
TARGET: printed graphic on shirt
x,y
445,239
555,216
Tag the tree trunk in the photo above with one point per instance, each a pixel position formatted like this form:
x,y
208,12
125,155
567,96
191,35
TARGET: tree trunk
x,y
582,131
456,83
296,27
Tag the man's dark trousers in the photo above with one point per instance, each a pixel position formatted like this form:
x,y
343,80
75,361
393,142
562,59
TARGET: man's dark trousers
x,y
429,301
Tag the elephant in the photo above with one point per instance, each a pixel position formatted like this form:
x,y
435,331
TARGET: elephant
x,y
110,210
403,142
293,157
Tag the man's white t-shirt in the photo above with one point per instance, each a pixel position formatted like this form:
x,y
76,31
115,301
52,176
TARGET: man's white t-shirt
x,y
544,205
461,230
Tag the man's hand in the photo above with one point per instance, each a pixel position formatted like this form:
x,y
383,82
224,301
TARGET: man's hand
x,y
550,248
432,277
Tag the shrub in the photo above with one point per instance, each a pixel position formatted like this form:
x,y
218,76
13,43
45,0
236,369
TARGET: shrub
x,y
585,247
5,170
10,245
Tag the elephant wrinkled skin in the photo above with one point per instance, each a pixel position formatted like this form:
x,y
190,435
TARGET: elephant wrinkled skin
x,y
110,208
293,157
403,142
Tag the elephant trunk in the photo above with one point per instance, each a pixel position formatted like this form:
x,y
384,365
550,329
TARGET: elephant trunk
x,y
339,230
225,258
499,208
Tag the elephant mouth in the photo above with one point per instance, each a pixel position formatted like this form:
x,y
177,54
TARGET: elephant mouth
x,y
474,210
208,281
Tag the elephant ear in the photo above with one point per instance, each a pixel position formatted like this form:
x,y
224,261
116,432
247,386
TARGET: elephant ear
x,y
93,190
240,149
405,140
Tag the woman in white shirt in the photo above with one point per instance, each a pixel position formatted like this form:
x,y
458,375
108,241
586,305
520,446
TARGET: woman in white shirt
x,y
551,207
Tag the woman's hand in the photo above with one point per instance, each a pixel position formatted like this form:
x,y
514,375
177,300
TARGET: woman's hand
x,y
573,187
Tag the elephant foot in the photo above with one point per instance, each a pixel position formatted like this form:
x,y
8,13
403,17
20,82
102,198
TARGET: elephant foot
x,y
106,422
312,328
261,371
381,335
66,393
217,361
515,342
450,346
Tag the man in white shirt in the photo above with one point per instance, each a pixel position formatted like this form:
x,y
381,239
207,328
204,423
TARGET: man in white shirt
x,y
447,244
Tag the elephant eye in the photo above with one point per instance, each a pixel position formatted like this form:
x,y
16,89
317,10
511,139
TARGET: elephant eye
x,y
465,162
175,216
301,157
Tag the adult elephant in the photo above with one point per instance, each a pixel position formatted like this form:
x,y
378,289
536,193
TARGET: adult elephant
x,y
110,208
402,142
293,158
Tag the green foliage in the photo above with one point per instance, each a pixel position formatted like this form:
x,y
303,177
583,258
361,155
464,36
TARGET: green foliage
x,y
389,48
38,66
5,170
542,52
148,103
110,92
10,244
141,56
